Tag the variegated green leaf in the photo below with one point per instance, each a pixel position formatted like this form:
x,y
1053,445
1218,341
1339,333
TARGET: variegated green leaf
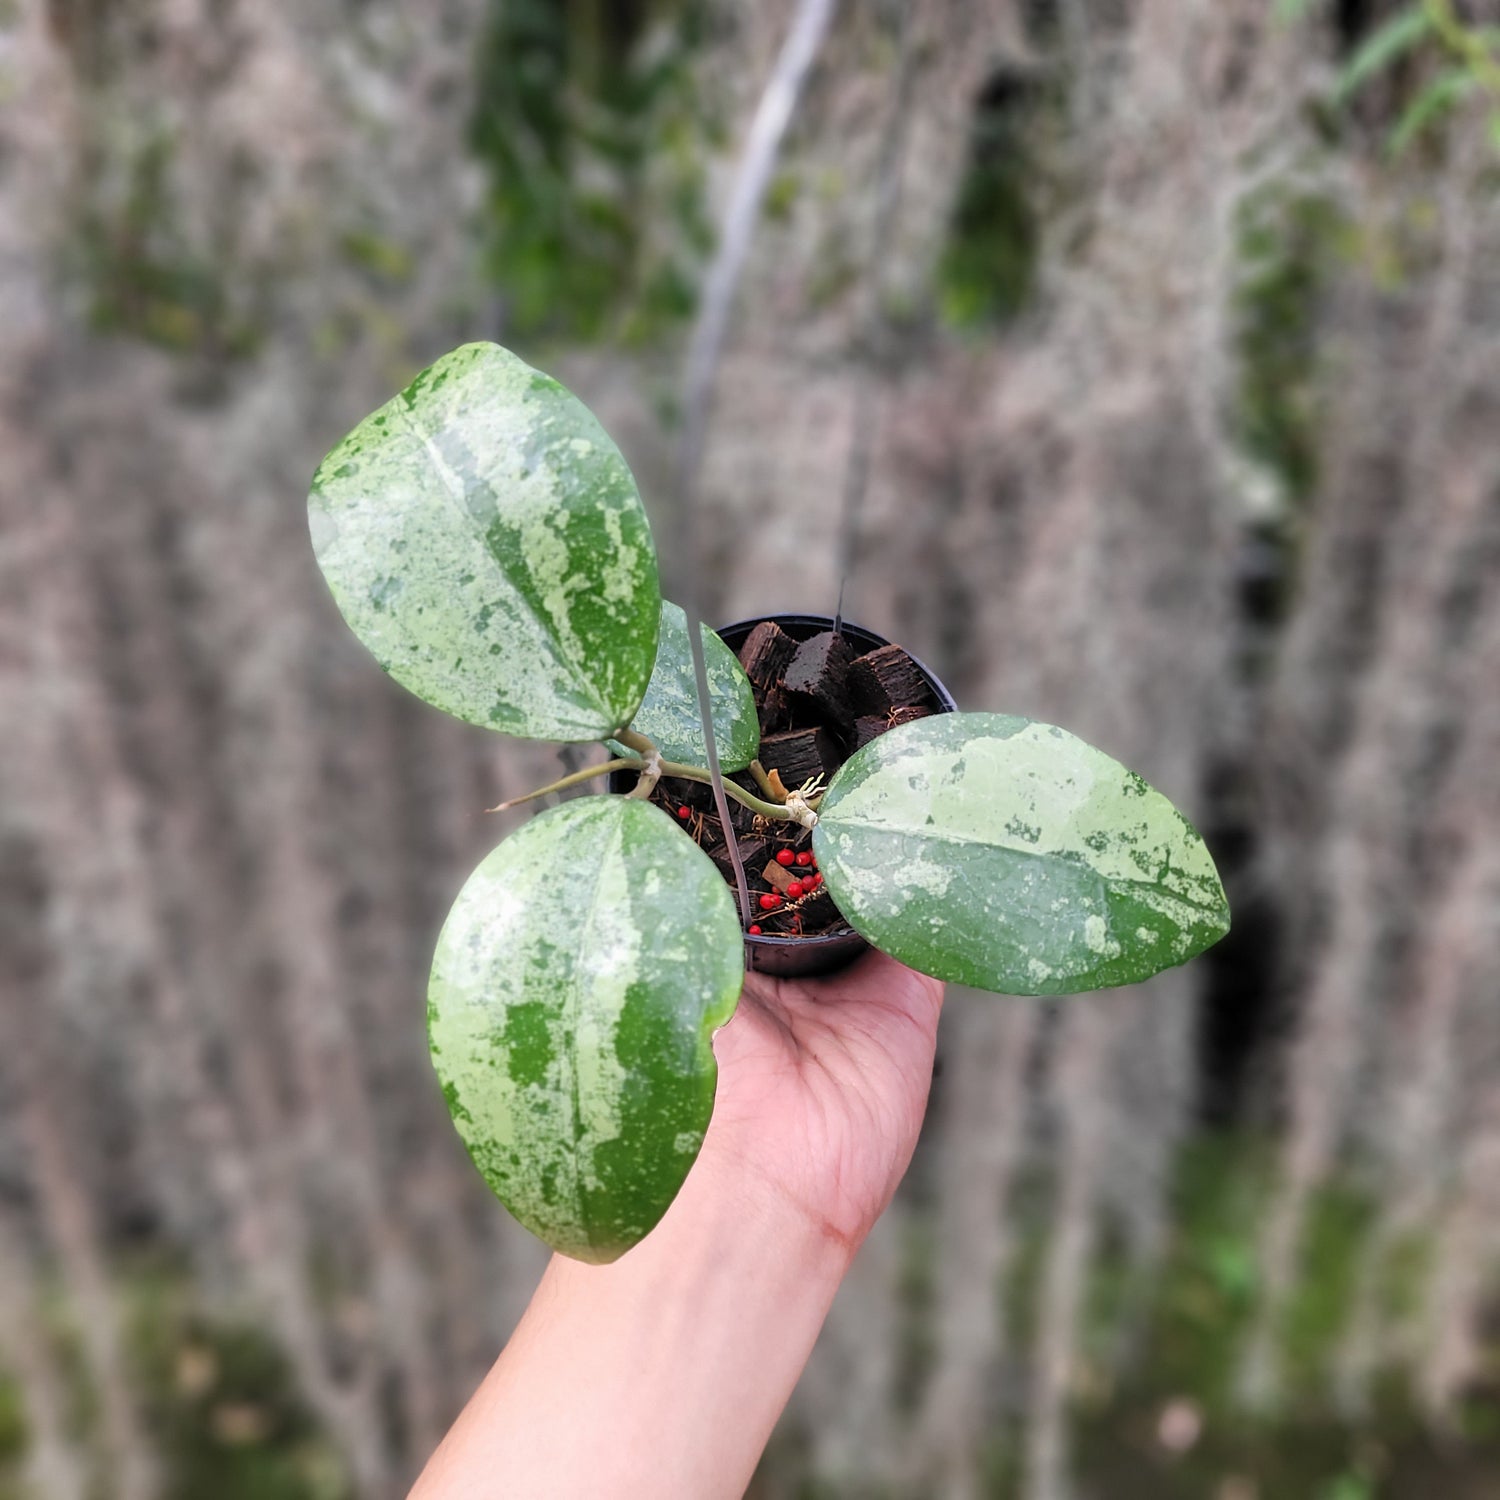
x,y
576,986
1009,855
668,716
483,537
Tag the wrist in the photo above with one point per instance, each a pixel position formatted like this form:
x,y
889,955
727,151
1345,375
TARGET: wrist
x,y
667,1369
732,1209
732,1259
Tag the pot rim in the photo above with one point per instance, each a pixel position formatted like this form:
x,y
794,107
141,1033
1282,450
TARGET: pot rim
x,y
946,704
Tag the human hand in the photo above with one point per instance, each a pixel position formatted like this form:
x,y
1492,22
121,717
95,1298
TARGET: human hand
x,y
822,1087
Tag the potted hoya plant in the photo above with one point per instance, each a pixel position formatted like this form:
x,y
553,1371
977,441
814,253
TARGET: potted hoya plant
x,y
484,538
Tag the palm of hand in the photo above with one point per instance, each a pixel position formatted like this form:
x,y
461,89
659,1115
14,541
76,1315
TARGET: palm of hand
x,y
822,1087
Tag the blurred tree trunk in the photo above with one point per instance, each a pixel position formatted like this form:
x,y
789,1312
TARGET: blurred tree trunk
x,y
37,1080
54,1467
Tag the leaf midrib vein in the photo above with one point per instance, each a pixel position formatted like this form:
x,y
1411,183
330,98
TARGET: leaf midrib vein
x,y
454,485
1058,855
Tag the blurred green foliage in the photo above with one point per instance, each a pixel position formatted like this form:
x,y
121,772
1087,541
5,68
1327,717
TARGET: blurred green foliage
x,y
223,1407
1446,60
142,276
216,1397
223,1404
592,126
1188,1341
13,1437
1162,1346
988,266
1290,247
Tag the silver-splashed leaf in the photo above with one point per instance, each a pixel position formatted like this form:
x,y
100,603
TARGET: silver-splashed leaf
x,y
668,714
1009,855
483,537
575,990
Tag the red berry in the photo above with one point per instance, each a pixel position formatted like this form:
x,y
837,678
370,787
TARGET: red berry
x,y
684,812
755,929
804,859
784,856
770,901
813,881
794,890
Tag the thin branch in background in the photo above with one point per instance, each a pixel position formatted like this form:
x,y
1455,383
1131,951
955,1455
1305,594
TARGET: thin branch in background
x,y
767,130
1082,107
872,322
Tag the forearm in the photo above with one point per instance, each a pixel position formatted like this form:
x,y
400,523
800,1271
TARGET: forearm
x,y
659,1376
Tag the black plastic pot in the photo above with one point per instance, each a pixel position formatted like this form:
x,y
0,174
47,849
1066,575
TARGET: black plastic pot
x,y
829,951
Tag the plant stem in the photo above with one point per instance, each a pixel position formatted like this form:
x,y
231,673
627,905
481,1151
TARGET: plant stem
x,y
652,767
634,740
745,799
623,763
764,782
647,750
